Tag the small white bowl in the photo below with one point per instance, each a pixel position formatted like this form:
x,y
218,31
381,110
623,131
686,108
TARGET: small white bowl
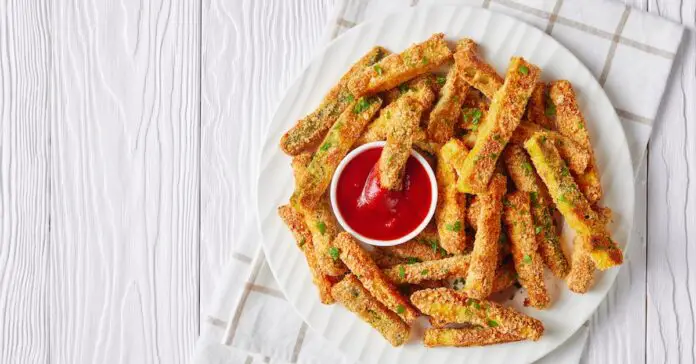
x,y
403,239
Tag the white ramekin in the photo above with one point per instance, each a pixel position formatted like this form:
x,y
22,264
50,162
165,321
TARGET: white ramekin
x,y
403,239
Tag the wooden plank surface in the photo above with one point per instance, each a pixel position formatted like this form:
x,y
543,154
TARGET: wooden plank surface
x,y
24,181
123,277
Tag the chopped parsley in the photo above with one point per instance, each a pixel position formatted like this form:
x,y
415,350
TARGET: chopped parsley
x,y
527,259
334,253
523,70
424,272
324,147
425,60
538,229
494,155
400,309
378,69
441,80
527,168
492,323
321,226
564,171
562,198
534,197
362,105
456,227
475,304
402,272
474,116
412,260
581,125
403,88
302,242
550,110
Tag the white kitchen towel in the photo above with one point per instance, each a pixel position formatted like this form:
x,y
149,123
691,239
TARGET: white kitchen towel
x,y
631,54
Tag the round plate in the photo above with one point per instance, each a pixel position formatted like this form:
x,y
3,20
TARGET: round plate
x,y
500,37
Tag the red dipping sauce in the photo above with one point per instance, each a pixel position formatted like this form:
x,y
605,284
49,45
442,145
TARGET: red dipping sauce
x,y
377,213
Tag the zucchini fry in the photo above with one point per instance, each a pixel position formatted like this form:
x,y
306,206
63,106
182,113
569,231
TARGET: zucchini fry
x,y
572,203
581,276
528,262
311,129
505,277
374,280
571,123
345,131
426,81
473,212
303,237
384,260
448,109
537,110
358,300
323,225
484,257
467,337
451,206
577,157
501,121
397,68
477,73
400,130
447,305
524,176
416,273
424,247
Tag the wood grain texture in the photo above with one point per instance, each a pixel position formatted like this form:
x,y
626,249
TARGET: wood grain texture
x,y
25,57
671,264
123,280
252,51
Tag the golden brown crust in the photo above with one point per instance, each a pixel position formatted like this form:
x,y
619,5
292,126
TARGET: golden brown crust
x,y
358,300
416,273
424,247
467,337
374,280
303,237
537,110
400,130
577,157
473,212
338,141
311,129
451,205
581,276
447,305
395,69
322,223
523,174
447,111
571,123
476,72
528,263
384,260
505,277
484,257
501,121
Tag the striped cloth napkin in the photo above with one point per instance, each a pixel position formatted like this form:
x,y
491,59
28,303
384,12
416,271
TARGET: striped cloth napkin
x,y
628,51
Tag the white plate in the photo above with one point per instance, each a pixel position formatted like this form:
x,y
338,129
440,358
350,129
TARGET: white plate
x,y
500,38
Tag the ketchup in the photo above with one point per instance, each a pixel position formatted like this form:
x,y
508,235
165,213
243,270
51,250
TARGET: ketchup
x,y
377,213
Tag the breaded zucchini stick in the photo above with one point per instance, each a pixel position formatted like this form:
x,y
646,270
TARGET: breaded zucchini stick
x,y
447,305
295,222
571,123
448,109
476,72
400,130
537,110
467,337
426,81
484,257
501,121
451,204
473,211
358,300
524,176
415,273
395,69
424,247
311,129
505,277
374,280
577,157
581,276
384,260
528,263
417,89
345,131
572,203
323,225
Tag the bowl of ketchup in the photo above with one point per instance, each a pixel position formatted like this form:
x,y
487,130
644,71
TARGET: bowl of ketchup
x,y
375,215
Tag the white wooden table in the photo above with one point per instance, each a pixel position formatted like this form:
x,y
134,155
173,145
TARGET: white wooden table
x,y
124,171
